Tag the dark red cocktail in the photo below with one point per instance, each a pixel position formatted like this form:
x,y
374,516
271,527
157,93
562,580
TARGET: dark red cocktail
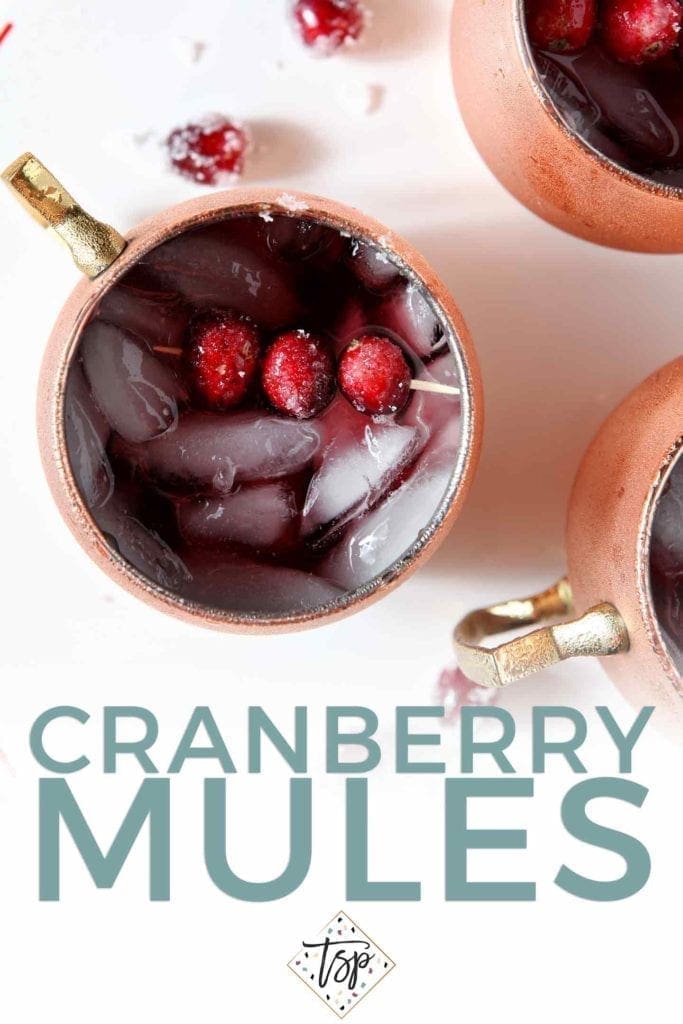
x,y
613,71
242,419
666,563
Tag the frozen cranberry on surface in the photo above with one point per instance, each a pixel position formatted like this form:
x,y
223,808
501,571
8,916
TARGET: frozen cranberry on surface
x,y
563,26
327,25
638,31
298,374
223,357
210,151
454,691
374,375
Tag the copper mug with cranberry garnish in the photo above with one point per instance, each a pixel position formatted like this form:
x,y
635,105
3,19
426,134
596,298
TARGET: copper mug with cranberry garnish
x,y
264,409
577,107
625,564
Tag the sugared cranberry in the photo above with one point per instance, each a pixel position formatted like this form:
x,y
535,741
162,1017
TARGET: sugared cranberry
x,y
563,26
298,374
325,25
636,31
211,151
374,375
223,355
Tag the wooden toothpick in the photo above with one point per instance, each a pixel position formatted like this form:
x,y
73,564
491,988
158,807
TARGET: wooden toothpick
x,y
168,350
431,385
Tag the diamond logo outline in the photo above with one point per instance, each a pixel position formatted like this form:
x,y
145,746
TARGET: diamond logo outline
x,y
341,977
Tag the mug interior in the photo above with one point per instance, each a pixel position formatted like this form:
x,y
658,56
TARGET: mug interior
x,y
665,557
244,513
629,117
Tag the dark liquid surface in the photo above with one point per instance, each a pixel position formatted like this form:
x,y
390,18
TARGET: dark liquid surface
x,y
248,510
666,563
632,114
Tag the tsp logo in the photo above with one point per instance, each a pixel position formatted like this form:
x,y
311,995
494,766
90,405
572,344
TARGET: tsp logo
x,y
341,964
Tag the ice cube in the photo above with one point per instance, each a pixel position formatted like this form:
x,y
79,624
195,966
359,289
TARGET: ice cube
x,y
441,369
298,238
438,413
339,419
357,468
137,394
631,114
667,527
160,318
211,449
239,585
143,547
666,563
407,313
214,267
372,266
87,433
575,105
373,543
261,516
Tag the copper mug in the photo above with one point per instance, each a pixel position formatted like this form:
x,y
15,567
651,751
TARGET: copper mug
x,y
525,142
106,257
614,503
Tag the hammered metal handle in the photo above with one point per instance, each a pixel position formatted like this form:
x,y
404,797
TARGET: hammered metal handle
x,y
93,245
601,631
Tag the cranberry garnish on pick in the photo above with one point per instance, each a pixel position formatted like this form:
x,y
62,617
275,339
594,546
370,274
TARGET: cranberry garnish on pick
x,y
298,374
374,375
223,355
210,151
636,31
563,26
326,25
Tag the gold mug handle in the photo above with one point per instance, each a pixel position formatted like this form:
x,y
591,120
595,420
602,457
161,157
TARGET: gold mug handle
x,y
599,632
93,245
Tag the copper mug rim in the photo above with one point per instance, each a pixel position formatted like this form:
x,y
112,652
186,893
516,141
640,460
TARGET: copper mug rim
x,y
141,240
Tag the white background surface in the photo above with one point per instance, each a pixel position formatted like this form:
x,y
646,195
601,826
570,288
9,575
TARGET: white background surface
x,y
563,330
